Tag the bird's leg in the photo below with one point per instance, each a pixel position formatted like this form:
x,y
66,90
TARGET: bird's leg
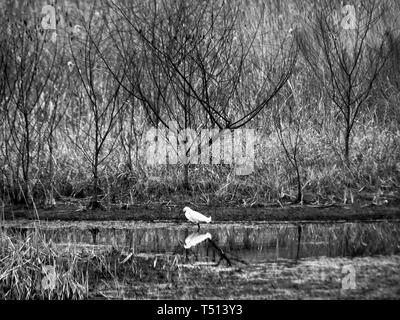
x,y
198,227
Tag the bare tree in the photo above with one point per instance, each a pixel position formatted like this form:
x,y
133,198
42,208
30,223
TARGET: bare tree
x,y
336,49
100,97
289,124
199,64
29,60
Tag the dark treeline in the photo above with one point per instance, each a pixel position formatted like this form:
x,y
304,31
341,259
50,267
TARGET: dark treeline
x,y
319,81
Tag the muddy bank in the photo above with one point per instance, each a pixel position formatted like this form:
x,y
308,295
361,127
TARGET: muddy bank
x,y
376,277
174,213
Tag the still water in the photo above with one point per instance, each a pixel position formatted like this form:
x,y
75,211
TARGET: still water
x,y
249,242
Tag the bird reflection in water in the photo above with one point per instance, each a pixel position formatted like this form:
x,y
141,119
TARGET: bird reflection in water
x,y
195,238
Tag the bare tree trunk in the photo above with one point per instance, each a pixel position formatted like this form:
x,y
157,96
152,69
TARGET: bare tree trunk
x,y
51,169
26,161
95,203
346,145
186,184
299,191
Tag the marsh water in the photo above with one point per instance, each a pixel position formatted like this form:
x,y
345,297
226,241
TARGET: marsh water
x,y
250,242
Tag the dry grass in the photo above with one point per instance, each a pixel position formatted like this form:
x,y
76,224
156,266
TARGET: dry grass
x,y
78,273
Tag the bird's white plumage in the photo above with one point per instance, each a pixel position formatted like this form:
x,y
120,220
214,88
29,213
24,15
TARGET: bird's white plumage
x,y
195,238
195,217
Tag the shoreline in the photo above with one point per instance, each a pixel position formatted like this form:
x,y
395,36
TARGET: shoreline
x,y
162,213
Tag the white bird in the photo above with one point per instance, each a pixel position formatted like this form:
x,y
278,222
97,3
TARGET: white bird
x,y
195,238
195,217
